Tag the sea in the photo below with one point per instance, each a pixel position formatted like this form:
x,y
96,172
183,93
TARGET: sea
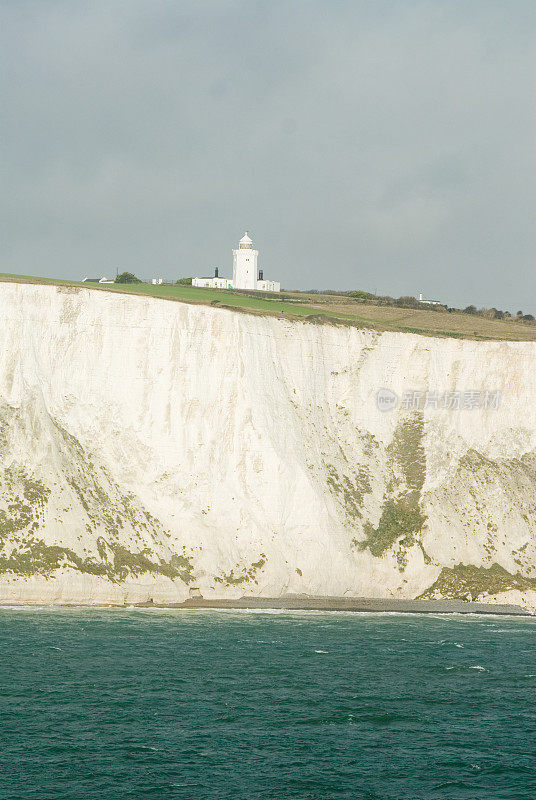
x,y
107,704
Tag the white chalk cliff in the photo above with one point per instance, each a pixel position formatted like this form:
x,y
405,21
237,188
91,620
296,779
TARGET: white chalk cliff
x,y
152,449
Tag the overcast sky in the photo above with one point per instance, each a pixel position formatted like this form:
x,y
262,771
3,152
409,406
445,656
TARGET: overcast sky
x,y
387,145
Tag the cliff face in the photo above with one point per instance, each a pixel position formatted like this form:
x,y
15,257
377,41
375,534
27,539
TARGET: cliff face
x,y
149,449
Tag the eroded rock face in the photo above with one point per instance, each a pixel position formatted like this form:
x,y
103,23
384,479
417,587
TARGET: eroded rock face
x,y
151,449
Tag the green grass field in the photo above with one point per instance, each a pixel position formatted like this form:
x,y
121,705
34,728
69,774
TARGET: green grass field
x,y
326,308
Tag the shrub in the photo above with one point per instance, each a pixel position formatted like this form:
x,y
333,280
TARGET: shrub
x,y
127,277
407,302
492,313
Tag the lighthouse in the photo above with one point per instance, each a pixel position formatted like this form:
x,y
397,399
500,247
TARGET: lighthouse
x,y
245,264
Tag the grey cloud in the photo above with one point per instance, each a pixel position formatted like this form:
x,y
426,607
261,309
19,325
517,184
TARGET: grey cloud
x,y
380,145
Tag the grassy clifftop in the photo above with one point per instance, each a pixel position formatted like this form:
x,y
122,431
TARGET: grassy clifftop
x,y
335,309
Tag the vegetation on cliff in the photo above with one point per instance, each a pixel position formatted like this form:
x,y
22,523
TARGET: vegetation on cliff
x,y
355,308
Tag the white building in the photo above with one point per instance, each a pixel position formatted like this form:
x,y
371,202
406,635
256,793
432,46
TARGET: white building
x,y
246,274
214,282
429,302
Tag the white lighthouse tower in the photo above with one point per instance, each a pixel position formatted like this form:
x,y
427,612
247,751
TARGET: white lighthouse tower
x,y
245,264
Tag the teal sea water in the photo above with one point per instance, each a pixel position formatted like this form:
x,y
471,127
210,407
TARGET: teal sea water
x,y
234,705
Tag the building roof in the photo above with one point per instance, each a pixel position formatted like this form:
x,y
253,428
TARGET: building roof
x,y
245,239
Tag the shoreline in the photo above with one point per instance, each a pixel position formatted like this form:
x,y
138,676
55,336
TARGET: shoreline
x,y
298,603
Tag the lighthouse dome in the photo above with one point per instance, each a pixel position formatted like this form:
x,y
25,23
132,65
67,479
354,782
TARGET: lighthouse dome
x,y
245,242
